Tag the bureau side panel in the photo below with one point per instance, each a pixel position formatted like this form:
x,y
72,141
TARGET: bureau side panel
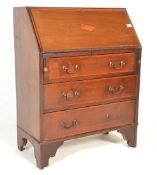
x,y
138,57
27,65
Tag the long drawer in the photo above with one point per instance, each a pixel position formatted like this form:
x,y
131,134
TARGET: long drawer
x,y
61,96
82,67
74,122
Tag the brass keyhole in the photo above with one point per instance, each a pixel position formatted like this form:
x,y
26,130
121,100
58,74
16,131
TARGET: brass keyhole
x,y
107,116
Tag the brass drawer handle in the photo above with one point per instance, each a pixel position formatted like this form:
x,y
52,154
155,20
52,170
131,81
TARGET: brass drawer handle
x,y
75,69
71,95
73,124
116,91
118,65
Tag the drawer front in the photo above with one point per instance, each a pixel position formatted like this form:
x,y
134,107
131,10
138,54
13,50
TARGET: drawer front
x,y
60,96
77,68
69,123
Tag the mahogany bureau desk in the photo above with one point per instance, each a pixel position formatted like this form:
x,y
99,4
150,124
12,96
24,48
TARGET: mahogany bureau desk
x,y
77,74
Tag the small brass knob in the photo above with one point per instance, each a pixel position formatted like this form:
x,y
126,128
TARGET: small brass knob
x,y
45,69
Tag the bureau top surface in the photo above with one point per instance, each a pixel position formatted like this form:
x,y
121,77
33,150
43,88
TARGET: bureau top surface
x,y
63,29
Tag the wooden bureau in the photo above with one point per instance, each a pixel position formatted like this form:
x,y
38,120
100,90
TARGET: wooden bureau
x,y
77,73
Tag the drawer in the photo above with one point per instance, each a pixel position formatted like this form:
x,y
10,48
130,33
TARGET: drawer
x,y
69,123
87,67
68,95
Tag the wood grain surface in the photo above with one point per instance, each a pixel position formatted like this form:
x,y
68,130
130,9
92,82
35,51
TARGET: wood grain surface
x,y
88,67
88,119
90,92
81,28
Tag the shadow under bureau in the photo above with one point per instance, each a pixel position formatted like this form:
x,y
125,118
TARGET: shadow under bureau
x,y
77,73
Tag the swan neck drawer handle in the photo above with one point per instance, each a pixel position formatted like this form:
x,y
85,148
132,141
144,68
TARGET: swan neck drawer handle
x,y
116,91
71,95
74,123
117,66
73,71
